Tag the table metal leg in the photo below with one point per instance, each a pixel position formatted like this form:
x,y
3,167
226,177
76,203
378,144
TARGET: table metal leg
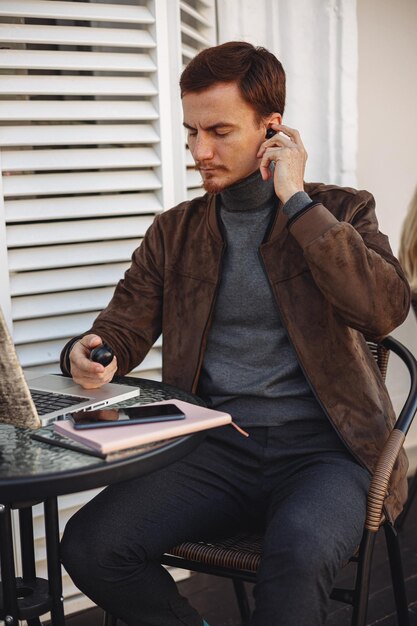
x,y
27,544
8,573
27,550
54,562
35,592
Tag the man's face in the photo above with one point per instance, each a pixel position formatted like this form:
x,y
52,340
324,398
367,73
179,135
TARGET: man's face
x,y
223,135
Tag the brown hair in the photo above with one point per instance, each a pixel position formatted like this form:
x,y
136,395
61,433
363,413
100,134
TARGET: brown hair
x,y
408,246
257,72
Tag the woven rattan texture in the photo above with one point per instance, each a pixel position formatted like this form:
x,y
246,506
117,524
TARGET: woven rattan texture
x,y
380,480
238,552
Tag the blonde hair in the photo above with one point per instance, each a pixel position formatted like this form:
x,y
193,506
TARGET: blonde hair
x,y
408,245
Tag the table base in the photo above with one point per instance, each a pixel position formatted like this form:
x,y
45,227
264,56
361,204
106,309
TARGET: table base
x,y
28,597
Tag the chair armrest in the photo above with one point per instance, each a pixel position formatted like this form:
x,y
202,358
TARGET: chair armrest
x,y
380,479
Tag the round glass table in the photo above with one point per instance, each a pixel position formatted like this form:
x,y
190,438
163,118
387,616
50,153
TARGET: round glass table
x,y
32,471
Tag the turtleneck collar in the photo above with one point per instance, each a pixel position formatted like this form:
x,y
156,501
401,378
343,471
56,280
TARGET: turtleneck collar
x,y
250,194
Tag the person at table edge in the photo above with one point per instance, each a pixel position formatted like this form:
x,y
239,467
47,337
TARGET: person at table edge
x,y
265,289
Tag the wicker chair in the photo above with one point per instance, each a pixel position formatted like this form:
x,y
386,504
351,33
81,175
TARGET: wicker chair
x,y
238,557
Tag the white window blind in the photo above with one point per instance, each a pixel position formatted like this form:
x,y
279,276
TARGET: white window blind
x,y
80,160
197,32
82,154
91,148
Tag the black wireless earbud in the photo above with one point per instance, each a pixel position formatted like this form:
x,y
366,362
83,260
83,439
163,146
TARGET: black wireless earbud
x,y
102,354
270,133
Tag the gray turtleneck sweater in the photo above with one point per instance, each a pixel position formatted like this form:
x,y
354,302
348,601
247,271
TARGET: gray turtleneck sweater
x,y
250,368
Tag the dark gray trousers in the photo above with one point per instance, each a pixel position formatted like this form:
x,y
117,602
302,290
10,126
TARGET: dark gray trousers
x,y
297,480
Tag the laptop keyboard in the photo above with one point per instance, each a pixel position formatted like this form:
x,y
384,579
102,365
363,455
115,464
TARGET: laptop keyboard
x,y
46,402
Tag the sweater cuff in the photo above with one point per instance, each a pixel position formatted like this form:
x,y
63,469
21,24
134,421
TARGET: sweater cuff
x,y
296,204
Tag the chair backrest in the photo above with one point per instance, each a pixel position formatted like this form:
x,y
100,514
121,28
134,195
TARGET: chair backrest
x,y
381,356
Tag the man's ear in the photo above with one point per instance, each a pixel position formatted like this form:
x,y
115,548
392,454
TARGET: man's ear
x,y
274,118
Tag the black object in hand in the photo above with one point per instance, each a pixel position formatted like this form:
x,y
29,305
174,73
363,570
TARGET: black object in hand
x,y
270,133
103,354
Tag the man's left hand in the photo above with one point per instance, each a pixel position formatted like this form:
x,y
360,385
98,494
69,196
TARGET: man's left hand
x,y
287,151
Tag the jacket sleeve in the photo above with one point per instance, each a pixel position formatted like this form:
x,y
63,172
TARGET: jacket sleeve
x,y
132,321
352,264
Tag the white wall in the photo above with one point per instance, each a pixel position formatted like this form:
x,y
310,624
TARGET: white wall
x,y
387,140
316,40
387,107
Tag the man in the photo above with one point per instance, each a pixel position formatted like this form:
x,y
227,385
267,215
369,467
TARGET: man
x,y
264,289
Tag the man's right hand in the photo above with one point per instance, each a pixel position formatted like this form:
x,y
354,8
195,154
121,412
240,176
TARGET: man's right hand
x,y
86,373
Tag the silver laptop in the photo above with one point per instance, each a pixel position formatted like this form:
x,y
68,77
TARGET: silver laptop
x,y
53,396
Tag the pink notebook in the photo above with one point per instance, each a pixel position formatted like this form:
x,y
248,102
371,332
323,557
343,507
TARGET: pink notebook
x,y
110,439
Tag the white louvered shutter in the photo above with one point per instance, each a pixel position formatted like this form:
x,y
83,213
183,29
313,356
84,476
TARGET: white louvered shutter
x,y
80,160
197,32
91,148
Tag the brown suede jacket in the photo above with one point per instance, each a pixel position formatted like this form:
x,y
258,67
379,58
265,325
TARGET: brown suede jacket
x,y
335,283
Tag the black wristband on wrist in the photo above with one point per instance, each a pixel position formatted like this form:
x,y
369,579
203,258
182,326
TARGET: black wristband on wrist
x,y
304,210
66,360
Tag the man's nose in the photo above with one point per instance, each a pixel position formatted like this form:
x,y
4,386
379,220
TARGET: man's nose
x,y
203,149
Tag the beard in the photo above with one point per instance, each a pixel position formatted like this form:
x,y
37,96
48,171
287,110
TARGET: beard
x,y
209,181
212,187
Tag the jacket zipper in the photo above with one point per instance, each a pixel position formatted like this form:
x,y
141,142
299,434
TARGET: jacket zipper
x,y
208,323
